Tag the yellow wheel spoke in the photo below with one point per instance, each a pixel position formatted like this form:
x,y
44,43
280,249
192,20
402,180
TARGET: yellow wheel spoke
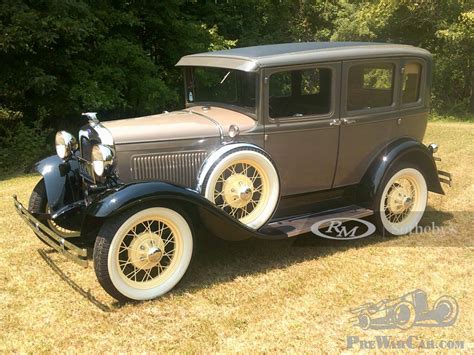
x,y
144,246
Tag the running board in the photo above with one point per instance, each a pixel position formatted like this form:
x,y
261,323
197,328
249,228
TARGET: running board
x,y
302,224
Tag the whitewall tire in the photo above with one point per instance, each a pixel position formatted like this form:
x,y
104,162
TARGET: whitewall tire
x,y
245,184
143,254
401,200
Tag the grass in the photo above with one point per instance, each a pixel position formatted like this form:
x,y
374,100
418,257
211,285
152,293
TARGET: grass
x,y
291,295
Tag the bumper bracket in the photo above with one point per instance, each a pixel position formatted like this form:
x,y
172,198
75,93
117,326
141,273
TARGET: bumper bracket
x,y
58,243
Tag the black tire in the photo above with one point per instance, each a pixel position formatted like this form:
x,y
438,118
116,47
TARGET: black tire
x,y
380,218
38,200
38,203
112,279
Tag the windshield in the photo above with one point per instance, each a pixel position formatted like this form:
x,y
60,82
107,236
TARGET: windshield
x,y
220,86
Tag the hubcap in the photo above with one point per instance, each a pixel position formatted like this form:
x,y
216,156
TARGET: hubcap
x,y
399,200
146,252
242,190
238,190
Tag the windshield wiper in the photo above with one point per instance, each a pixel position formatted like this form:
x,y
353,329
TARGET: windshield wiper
x,y
225,77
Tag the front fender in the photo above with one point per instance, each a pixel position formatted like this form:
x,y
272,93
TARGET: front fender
x,y
60,180
126,196
404,149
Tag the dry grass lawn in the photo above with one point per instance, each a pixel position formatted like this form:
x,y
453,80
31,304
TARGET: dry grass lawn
x,y
291,295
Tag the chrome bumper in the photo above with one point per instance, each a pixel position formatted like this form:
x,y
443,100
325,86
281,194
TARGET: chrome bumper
x,y
66,248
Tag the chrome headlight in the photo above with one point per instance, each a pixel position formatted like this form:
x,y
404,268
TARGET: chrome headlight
x,y
102,158
66,144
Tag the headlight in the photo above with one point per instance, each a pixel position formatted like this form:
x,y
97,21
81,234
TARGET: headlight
x,y
102,158
65,144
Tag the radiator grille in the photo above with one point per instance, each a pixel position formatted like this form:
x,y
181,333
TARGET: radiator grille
x,y
85,164
86,149
178,168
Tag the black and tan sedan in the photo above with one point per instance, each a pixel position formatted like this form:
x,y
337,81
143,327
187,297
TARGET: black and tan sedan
x,y
272,140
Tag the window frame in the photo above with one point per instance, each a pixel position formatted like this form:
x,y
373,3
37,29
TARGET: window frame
x,y
422,92
368,111
332,66
188,74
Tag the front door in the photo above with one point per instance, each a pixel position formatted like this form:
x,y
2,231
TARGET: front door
x,y
301,115
369,115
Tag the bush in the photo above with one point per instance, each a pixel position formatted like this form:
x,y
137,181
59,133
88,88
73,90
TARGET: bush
x,y
20,145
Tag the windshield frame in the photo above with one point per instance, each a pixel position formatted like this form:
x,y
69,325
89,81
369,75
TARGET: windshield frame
x,y
189,83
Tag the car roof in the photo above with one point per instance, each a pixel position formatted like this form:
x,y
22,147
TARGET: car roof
x,y
256,57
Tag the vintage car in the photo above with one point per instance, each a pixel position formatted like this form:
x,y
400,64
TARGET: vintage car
x,y
273,139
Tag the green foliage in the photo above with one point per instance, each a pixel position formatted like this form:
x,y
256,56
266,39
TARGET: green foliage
x,y
60,58
20,145
444,27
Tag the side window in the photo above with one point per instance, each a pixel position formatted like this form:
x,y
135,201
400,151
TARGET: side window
x,y
299,93
411,83
370,86
280,84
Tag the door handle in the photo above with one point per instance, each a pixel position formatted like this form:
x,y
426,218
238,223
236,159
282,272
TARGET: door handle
x,y
348,121
335,122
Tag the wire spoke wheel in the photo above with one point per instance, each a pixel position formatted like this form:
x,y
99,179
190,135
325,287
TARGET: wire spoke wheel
x,y
142,254
38,203
63,232
147,252
244,184
241,190
403,201
399,200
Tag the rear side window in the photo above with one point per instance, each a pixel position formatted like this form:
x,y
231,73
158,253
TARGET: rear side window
x,y
411,83
298,93
370,86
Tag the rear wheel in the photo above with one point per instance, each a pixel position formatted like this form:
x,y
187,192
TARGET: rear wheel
x,y
39,204
143,253
401,200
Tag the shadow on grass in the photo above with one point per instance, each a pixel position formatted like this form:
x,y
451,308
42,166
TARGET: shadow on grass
x,y
4,176
218,261
86,294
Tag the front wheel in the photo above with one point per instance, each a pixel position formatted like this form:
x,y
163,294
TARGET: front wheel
x,y
39,204
143,254
401,200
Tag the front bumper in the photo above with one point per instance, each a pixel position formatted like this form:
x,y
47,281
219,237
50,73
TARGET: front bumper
x,y
63,246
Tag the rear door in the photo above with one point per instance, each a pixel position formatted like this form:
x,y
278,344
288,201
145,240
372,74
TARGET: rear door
x,y
301,114
369,115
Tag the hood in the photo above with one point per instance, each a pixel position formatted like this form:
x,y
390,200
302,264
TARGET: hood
x,y
195,122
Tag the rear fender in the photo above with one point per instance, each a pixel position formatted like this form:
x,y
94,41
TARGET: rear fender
x,y
406,150
127,196
60,181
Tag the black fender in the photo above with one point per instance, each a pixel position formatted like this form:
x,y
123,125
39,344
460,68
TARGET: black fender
x,y
203,211
60,180
407,150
